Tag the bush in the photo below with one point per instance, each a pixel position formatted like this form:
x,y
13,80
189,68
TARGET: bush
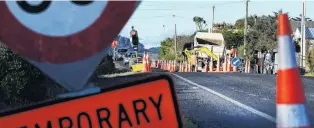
x,y
20,82
240,50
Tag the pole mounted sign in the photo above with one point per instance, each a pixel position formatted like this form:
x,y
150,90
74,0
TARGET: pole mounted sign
x,y
235,62
64,39
124,106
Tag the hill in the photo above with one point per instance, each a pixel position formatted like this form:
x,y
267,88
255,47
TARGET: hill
x,y
154,50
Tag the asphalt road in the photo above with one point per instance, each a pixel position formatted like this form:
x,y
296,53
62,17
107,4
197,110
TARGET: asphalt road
x,y
228,100
233,99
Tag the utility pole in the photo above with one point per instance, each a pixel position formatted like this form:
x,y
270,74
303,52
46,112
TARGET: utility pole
x,y
175,39
303,40
213,19
245,25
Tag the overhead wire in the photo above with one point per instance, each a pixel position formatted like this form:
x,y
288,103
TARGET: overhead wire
x,y
186,8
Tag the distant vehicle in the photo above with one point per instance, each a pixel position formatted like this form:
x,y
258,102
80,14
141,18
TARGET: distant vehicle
x,y
120,53
127,57
136,64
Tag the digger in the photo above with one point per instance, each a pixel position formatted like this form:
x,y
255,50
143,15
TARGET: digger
x,y
205,46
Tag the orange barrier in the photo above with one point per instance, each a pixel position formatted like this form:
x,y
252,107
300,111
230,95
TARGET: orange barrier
x,y
291,110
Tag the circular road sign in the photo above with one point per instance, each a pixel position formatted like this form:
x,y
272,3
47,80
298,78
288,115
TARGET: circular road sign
x,y
235,62
61,31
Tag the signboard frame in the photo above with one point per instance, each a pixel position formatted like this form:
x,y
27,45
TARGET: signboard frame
x,y
148,79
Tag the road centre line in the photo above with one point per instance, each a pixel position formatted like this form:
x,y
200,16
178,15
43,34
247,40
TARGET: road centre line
x,y
259,113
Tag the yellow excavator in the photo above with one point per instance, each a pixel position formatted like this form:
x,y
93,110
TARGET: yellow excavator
x,y
202,50
205,46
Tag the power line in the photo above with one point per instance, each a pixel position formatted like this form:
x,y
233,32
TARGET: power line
x,y
187,8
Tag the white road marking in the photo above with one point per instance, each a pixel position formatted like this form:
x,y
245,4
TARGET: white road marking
x,y
259,113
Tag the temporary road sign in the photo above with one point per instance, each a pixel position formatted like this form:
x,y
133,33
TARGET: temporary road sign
x,y
64,39
235,62
131,105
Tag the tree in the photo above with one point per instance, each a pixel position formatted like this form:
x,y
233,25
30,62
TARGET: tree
x,y
167,49
232,38
200,23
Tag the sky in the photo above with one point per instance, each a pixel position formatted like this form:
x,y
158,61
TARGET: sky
x,y
155,20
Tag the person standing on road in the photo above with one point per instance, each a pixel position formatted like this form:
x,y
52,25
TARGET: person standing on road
x,y
268,62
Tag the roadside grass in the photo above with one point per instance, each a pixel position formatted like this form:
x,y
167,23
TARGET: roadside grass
x,y
117,74
189,123
309,74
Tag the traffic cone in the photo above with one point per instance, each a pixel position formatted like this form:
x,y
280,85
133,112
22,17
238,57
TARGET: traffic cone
x,y
186,67
291,110
211,65
206,67
171,66
147,62
246,66
218,64
229,69
225,64
144,63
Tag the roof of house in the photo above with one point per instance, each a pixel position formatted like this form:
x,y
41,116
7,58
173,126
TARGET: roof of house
x,y
309,30
297,24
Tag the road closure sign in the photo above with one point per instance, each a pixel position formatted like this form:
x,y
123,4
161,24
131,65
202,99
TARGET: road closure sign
x,y
149,103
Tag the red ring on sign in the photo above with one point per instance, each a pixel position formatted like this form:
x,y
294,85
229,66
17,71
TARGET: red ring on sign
x,y
67,49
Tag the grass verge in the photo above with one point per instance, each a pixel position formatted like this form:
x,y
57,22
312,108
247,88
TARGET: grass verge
x,y
309,74
117,74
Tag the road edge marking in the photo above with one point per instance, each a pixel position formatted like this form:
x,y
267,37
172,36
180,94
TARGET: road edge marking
x,y
262,114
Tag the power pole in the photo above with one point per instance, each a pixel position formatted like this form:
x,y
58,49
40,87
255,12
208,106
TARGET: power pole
x,y
213,19
303,40
245,25
175,39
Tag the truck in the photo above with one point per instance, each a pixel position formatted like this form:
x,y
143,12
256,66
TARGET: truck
x,y
206,45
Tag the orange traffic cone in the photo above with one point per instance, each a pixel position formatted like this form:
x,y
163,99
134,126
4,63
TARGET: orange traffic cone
x,y
148,63
229,64
206,67
218,64
211,65
225,64
144,63
291,110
